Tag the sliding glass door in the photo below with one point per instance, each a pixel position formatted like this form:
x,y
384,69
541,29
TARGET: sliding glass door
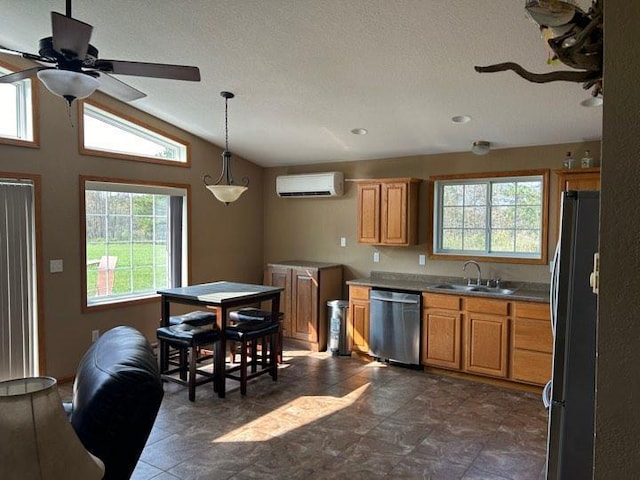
x,y
19,356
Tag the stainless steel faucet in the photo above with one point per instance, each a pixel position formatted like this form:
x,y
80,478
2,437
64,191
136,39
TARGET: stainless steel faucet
x,y
473,262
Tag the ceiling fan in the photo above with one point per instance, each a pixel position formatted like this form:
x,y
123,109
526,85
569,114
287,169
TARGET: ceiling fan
x,y
78,71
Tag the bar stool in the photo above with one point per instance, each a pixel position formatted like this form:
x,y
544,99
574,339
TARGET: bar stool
x,y
196,318
247,333
188,339
255,314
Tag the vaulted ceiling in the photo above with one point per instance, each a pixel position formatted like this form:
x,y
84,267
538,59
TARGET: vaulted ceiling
x,y
307,72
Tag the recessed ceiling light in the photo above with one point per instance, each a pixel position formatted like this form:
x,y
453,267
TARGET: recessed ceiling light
x,y
461,119
592,102
359,131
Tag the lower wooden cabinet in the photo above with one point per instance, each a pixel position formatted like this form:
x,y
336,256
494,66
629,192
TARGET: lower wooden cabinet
x,y
441,331
358,322
532,343
486,336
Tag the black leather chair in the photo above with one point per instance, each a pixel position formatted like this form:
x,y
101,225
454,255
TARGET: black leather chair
x,y
116,396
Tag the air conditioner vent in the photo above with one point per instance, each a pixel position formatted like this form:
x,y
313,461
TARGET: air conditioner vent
x,y
327,184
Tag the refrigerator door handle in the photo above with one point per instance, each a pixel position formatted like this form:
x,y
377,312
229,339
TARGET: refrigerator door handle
x,y
546,394
553,294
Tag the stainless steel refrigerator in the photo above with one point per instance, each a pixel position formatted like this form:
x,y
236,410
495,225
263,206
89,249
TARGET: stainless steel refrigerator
x,y
570,395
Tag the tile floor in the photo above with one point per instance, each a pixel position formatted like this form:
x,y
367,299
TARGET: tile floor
x,y
330,417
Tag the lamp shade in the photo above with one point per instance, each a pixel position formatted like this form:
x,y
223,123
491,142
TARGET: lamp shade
x,y
68,84
38,441
227,193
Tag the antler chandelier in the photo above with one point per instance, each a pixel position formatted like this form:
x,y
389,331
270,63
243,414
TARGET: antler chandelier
x,y
576,40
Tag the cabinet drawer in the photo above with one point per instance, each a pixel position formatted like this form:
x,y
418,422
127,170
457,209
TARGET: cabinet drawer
x,y
361,293
532,335
531,367
532,310
486,305
435,300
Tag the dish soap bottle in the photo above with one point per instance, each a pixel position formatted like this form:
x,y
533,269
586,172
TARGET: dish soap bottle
x,y
568,161
587,161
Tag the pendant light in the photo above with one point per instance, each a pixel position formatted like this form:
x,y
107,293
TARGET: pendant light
x,y
228,191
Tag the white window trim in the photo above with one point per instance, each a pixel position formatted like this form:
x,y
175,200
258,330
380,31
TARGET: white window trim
x,y
25,111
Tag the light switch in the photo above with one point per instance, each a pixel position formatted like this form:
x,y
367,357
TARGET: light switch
x,y
422,260
55,266
343,241
376,257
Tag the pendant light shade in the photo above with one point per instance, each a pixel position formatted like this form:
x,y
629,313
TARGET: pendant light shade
x,y
225,189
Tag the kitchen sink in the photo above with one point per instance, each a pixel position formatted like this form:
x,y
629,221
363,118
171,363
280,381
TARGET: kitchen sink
x,y
474,289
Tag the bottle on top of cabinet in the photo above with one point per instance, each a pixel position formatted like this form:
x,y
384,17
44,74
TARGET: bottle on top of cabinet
x,y
587,160
568,161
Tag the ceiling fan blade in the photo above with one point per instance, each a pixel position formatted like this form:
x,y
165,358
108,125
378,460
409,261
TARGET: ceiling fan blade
x,y
70,36
30,56
117,89
17,76
156,70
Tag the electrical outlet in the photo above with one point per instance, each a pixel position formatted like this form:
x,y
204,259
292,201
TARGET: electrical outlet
x,y
94,335
343,241
376,257
422,260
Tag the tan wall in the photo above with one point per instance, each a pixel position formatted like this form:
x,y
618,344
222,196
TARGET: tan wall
x,y
618,381
226,242
310,228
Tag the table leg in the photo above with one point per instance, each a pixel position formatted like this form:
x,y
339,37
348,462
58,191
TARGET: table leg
x,y
164,346
275,312
219,366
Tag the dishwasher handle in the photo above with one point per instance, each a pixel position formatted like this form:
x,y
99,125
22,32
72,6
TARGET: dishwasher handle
x,y
395,300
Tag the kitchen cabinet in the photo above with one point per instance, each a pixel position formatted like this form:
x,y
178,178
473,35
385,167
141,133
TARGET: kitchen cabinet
x,y
358,319
388,211
486,336
532,343
308,286
575,179
441,330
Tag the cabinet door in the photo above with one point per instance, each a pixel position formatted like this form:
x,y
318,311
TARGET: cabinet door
x,y
369,213
486,344
393,217
281,277
359,325
441,338
304,304
580,181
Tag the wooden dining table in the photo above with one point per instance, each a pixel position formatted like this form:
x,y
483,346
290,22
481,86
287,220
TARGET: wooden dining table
x,y
220,297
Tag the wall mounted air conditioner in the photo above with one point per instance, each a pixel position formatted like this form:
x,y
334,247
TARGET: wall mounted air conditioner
x,y
327,184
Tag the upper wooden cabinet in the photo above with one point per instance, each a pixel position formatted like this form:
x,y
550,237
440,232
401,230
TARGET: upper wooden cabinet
x,y
388,211
575,179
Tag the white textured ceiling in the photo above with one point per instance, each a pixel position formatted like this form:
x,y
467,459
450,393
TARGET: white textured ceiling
x,y
306,72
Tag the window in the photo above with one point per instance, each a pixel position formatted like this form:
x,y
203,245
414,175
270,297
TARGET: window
x,y
106,133
17,111
134,239
502,216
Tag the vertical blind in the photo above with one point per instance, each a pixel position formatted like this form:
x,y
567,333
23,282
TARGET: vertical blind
x,y
18,326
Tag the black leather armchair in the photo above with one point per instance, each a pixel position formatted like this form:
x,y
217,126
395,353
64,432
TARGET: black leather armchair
x,y
116,396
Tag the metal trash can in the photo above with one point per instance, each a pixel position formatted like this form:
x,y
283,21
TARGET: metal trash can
x,y
338,342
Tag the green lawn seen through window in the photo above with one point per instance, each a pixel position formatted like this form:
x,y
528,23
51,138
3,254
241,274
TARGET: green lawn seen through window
x,y
136,269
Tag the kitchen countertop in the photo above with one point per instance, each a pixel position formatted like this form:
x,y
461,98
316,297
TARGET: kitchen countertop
x,y
524,291
304,264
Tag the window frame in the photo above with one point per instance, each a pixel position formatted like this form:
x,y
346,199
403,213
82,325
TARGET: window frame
x,y
35,112
149,298
128,156
482,177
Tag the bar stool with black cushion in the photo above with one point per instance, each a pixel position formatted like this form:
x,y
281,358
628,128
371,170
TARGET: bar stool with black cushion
x,y
255,314
248,333
189,338
197,318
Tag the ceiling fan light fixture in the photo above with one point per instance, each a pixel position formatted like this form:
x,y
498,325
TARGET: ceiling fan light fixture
x,y
480,147
68,84
594,101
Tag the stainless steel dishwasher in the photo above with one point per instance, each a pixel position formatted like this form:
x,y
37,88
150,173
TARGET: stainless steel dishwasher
x,y
394,331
